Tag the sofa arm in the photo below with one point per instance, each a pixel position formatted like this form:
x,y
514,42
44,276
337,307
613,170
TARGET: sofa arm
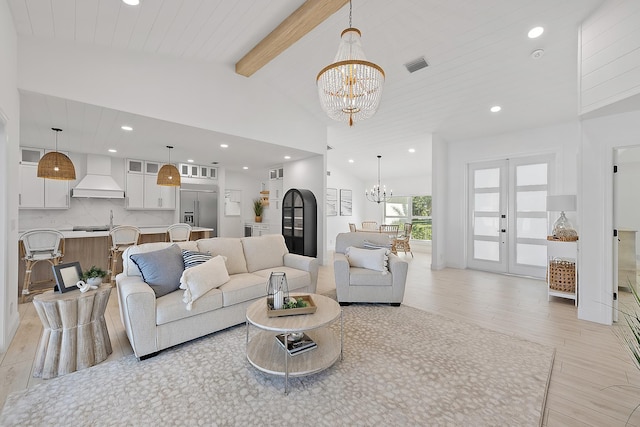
x,y
138,313
341,273
398,268
304,263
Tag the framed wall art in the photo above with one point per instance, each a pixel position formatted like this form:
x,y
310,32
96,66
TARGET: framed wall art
x,y
332,201
345,202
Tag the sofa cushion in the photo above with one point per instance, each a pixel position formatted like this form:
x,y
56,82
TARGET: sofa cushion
x,y
193,258
296,279
366,277
170,307
161,269
243,287
372,259
263,252
229,247
130,268
198,280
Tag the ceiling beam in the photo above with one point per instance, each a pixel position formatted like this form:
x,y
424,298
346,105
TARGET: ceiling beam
x,y
308,16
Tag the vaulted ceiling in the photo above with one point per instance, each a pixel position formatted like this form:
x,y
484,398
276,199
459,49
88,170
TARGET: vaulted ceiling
x,y
478,53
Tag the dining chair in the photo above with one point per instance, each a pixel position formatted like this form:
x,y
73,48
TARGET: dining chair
x,y
122,237
37,245
370,225
392,231
180,232
402,241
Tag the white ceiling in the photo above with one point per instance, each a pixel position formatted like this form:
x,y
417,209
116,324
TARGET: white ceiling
x,y
478,54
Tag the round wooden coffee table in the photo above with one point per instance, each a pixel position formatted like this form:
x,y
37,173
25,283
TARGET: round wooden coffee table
x,y
265,353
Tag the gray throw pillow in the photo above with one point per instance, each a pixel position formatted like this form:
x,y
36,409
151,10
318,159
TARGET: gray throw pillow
x,y
161,269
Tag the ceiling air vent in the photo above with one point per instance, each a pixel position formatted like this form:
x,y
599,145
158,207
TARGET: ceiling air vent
x,y
416,64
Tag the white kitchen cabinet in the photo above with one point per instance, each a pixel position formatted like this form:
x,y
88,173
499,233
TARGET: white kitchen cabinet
x,y
189,170
256,229
39,193
135,166
197,171
134,190
142,190
277,173
158,196
562,269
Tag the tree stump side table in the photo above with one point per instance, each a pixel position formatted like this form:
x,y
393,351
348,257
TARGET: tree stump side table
x,y
75,332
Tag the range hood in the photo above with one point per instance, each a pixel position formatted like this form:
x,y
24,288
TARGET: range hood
x,y
98,182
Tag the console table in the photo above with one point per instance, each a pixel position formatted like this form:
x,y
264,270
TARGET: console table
x,y
75,332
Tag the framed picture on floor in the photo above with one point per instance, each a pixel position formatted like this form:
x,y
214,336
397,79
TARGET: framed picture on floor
x,y
345,202
67,275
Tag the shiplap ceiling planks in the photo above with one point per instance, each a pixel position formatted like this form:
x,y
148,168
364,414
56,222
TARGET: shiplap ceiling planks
x,y
477,51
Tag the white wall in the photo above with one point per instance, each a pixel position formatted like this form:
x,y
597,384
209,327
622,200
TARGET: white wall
x,y
561,141
9,137
340,179
205,95
595,207
610,55
309,174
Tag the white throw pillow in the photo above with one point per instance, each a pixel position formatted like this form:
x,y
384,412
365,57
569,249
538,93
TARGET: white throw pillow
x,y
372,259
198,280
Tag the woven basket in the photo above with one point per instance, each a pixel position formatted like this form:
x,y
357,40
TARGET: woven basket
x,y
562,275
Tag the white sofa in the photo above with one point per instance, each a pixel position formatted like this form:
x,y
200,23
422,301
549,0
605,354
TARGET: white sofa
x,y
153,324
355,284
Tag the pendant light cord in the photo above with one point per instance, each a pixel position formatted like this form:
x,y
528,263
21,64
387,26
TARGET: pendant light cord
x,y
350,9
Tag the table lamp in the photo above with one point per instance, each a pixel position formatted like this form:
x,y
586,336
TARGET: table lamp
x,y
562,228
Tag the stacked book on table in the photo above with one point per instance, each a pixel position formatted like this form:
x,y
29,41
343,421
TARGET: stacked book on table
x,y
298,346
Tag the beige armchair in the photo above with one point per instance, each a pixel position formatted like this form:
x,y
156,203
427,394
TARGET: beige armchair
x,y
356,284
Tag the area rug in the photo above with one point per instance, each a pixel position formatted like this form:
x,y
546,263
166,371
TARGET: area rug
x,y
401,366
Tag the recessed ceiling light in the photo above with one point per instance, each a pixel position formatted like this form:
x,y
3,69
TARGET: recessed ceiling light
x,y
224,145
412,150
350,160
287,157
131,2
127,128
496,108
113,150
245,167
535,32
190,160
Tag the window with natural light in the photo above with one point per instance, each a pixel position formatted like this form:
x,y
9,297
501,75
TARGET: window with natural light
x,y
410,209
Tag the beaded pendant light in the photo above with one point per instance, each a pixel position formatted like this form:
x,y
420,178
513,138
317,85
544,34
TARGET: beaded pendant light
x,y
351,87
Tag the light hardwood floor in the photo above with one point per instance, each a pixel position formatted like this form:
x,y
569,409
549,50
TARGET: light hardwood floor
x,y
593,383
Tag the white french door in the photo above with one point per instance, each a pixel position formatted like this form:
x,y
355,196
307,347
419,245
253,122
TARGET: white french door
x,y
507,215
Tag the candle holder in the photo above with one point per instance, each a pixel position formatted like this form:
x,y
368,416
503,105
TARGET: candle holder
x,y
277,290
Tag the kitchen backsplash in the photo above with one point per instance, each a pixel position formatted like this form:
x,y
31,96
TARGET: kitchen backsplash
x,y
85,212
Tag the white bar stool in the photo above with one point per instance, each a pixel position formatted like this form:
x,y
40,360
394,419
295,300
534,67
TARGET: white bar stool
x,y
122,237
37,245
180,232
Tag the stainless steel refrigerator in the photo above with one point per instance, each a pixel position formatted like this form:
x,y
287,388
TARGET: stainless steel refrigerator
x,y
199,206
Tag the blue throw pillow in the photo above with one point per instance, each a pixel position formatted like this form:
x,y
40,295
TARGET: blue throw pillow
x,y
161,269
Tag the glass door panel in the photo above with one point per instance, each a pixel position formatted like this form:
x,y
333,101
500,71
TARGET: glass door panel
x,y
507,215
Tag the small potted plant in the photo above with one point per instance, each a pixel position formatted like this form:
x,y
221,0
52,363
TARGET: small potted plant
x,y
94,275
258,209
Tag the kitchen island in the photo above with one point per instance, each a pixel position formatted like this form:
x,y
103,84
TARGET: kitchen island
x,y
92,248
